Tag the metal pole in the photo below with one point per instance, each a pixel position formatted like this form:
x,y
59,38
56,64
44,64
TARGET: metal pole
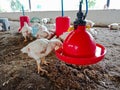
x,y
29,4
108,3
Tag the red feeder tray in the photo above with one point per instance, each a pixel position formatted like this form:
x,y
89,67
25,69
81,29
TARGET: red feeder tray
x,y
80,48
99,55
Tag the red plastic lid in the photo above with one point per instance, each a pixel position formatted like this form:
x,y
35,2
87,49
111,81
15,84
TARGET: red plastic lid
x,y
99,55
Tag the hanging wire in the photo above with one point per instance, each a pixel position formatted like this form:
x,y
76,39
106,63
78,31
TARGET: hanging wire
x,y
86,10
108,3
62,7
23,12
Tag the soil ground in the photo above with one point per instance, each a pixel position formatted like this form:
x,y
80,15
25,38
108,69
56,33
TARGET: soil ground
x,y
19,72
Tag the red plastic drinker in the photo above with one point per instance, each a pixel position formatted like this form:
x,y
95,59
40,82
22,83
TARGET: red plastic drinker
x,y
80,48
62,25
82,44
22,20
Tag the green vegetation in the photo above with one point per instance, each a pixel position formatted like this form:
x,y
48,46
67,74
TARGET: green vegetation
x,y
91,3
15,5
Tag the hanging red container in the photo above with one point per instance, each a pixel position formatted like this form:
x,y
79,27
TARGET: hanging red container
x,y
62,25
80,48
22,20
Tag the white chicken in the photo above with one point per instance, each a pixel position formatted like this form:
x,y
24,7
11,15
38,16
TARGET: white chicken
x,y
40,48
114,26
46,20
26,31
63,36
49,23
42,31
89,23
51,29
93,32
90,29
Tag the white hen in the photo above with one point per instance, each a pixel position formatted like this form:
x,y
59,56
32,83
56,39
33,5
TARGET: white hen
x,y
40,48
90,29
41,32
46,20
26,31
93,32
89,23
114,26
64,36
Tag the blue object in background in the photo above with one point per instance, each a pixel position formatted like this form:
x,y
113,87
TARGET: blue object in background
x,y
5,24
34,31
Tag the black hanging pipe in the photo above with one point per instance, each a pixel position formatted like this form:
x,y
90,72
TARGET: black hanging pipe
x,y
80,16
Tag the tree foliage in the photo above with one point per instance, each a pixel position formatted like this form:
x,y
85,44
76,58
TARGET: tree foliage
x,y
15,5
91,3
2,10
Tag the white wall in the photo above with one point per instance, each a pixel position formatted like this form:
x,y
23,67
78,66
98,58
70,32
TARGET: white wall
x,y
100,17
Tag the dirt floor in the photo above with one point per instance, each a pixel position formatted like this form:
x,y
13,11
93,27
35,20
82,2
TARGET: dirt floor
x,y
19,72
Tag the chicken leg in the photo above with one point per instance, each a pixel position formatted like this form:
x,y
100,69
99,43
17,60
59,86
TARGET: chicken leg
x,y
39,68
43,61
30,36
25,40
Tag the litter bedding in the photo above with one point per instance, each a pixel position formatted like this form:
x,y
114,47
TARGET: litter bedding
x,y
19,72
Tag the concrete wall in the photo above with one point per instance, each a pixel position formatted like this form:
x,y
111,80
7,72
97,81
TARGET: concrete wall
x,y
100,17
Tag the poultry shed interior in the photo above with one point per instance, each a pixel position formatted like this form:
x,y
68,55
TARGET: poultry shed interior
x,y
60,50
